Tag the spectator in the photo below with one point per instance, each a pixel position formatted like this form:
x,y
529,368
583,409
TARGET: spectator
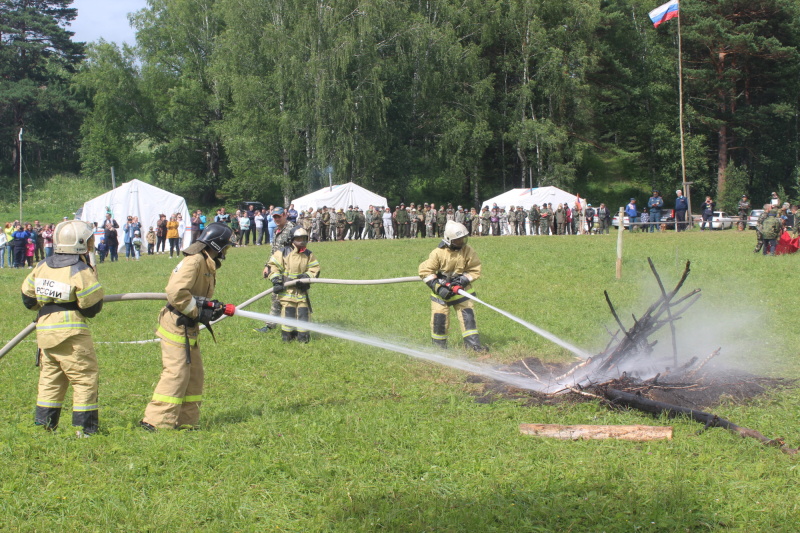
x,y
181,230
681,207
633,213
102,249
244,228
136,243
151,241
196,225
388,228
771,231
21,237
775,200
47,236
708,208
655,204
38,241
8,231
3,242
173,235
236,237
251,214
292,214
271,224
161,233
129,230
30,249
259,233
645,219
603,219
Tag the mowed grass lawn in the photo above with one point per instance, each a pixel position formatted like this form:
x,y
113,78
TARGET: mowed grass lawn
x,y
336,436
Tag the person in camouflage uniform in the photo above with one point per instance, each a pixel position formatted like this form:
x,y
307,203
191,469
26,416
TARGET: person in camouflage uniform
x,y
430,221
760,228
368,221
522,217
283,231
325,224
414,223
377,223
350,219
744,211
441,220
511,220
401,217
486,218
341,224
535,217
545,215
771,230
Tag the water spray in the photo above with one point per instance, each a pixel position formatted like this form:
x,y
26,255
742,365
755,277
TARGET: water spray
x,y
544,333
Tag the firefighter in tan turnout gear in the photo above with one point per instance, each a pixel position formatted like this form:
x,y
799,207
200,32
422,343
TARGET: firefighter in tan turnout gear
x,y
176,400
293,262
451,267
65,291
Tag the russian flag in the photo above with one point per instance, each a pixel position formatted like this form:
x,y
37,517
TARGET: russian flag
x,y
664,13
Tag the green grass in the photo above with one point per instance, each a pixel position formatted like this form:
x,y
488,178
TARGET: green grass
x,y
336,436
49,201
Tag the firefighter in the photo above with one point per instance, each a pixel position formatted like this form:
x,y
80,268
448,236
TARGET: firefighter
x,y
451,267
177,397
293,261
65,291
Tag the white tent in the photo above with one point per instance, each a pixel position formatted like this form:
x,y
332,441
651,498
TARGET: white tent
x,y
139,199
528,197
339,196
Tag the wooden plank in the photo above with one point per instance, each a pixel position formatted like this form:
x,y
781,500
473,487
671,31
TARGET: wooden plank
x,y
635,433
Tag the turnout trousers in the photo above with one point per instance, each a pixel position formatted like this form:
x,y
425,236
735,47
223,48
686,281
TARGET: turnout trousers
x,y
179,393
71,362
440,320
298,310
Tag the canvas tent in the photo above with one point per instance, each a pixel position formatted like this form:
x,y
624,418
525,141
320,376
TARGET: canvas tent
x,y
528,197
339,196
140,199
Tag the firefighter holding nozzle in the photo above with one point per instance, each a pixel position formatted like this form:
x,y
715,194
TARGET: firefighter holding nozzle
x,y
65,291
451,267
176,400
293,262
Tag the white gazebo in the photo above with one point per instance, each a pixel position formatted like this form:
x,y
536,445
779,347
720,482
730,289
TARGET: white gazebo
x,y
339,197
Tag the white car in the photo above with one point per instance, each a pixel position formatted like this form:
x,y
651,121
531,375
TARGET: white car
x,y
721,220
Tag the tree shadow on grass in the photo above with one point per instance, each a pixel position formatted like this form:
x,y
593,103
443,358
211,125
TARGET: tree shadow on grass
x,y
586,506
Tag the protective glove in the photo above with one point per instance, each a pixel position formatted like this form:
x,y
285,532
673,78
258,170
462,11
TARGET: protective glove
x,y
444,290
277,285
209,310
461,281
302,285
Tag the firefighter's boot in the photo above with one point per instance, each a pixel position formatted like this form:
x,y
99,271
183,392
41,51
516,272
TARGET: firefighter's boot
x,y
286,336
47,417
473,342
88,420
303,337
440,343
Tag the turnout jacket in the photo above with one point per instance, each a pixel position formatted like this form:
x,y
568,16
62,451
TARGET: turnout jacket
x,y
446,263
288,264
65,281
196,275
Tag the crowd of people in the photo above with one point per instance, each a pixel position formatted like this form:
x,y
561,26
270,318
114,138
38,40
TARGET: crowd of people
x,y
23,244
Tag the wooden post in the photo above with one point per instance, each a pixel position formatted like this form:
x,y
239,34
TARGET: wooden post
x,y
620,229
635,433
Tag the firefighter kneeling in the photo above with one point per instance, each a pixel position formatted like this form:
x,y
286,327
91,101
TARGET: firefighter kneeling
x,y
65,291
451,267
293,262
176,400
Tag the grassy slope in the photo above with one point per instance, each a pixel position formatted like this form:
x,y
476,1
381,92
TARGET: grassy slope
x,y
342,437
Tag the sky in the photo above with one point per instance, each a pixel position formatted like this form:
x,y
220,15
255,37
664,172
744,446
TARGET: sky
x,y
106,19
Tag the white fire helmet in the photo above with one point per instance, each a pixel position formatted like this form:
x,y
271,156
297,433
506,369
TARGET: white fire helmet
x,y
73,237
299,233
455,235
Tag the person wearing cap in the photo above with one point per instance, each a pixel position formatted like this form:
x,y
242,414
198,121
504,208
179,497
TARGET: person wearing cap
x,y
589,213
283,230
401,217
325,227
707,209
545,215
359,223
632,211
176,400
136,242
341,224
441,220
349,218
655,203
65,291
430,220
681,207
744,211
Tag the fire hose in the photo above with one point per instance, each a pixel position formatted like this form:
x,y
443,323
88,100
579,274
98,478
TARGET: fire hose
x,y
232,311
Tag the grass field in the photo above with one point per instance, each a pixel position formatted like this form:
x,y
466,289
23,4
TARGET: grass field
x,y
336,436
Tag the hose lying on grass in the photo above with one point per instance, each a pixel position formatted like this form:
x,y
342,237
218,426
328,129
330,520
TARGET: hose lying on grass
x,y
138,296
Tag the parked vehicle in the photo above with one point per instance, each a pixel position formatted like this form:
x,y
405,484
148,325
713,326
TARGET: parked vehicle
x,y
721,220
752,220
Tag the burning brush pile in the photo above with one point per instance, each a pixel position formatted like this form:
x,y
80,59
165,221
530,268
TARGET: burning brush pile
x,y
670,387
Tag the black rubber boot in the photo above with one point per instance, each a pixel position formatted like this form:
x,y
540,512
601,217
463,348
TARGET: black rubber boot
x,y
88,420
286,336
47,417
440,343
303,337
473,342
147,427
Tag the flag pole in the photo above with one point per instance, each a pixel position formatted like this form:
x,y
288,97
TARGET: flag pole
x,y
680,119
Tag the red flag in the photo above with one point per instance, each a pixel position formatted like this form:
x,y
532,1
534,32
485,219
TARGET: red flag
x,y
787,245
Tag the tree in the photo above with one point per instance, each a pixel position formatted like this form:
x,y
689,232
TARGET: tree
x,y
37,59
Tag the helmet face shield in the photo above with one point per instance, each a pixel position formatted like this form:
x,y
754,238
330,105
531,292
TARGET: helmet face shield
x,y
457,244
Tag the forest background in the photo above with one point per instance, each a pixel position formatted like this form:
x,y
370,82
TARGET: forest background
x,y
417,100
